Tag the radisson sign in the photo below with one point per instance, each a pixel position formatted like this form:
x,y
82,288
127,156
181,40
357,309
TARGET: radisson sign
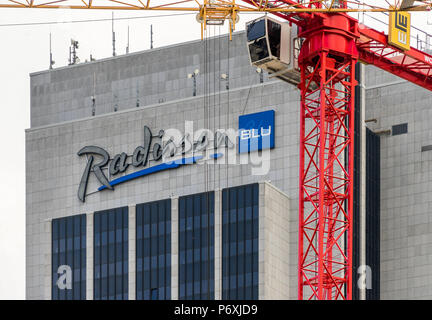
x,y
154,148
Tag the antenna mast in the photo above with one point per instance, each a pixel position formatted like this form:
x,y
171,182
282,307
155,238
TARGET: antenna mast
x,y
73,58
113,34
151,36
52,62
127,48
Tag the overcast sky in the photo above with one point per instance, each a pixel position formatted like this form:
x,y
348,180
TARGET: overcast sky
x,y
25,49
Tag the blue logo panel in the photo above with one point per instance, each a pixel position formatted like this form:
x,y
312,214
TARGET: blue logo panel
x,y
256,131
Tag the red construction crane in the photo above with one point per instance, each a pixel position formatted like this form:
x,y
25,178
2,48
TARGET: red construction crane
x,y
333,42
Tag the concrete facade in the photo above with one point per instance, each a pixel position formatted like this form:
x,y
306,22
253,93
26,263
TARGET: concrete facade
x,y
150,77
406,184
275,253
61,124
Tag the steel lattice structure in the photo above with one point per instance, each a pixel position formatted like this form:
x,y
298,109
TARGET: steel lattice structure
x,y
197,5
333,43
326,180
326,160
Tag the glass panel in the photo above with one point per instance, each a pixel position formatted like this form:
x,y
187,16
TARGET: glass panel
x,y
156,246
256,30
67,236
239,238
258,50
110,261
274,36
196,214
154,294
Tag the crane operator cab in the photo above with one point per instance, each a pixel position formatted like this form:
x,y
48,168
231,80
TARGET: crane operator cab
x,y
273,46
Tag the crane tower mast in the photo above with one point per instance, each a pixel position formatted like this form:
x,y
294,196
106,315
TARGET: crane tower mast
x,y
332,43
327,57
327,60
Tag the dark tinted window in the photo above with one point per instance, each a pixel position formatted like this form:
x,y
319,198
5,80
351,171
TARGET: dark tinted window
x,y
153,250
256,30
69,251
196,247
258,50
373,173
274,35
240,243
111,254
400,129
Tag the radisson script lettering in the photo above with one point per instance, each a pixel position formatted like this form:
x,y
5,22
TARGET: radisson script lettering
x,y
154,148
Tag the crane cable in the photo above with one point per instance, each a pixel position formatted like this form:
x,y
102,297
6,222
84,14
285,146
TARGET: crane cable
x,y
219,98
206,171
228,110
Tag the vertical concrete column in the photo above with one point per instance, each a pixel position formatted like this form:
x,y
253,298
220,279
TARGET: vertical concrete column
x,y
89,255
218,244
46,245
274,244
261,242
174,247
132,250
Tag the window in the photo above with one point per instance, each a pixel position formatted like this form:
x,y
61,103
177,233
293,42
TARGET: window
x,y
400,129
153,250
240,242
258,50
154,294
426,148
274,37
69,258
256,30
111,254
373,179
196,247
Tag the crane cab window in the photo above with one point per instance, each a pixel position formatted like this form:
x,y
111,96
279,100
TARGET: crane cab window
x,y
274,37
256,30
258,50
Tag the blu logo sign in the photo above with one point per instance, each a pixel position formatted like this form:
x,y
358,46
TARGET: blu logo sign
x,y
256,131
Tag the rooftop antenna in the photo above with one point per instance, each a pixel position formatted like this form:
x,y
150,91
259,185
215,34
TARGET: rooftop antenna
x,y
151,36
113,34
127,48
52,62
73,58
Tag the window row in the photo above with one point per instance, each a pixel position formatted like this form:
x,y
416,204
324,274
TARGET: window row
x,y
196,245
